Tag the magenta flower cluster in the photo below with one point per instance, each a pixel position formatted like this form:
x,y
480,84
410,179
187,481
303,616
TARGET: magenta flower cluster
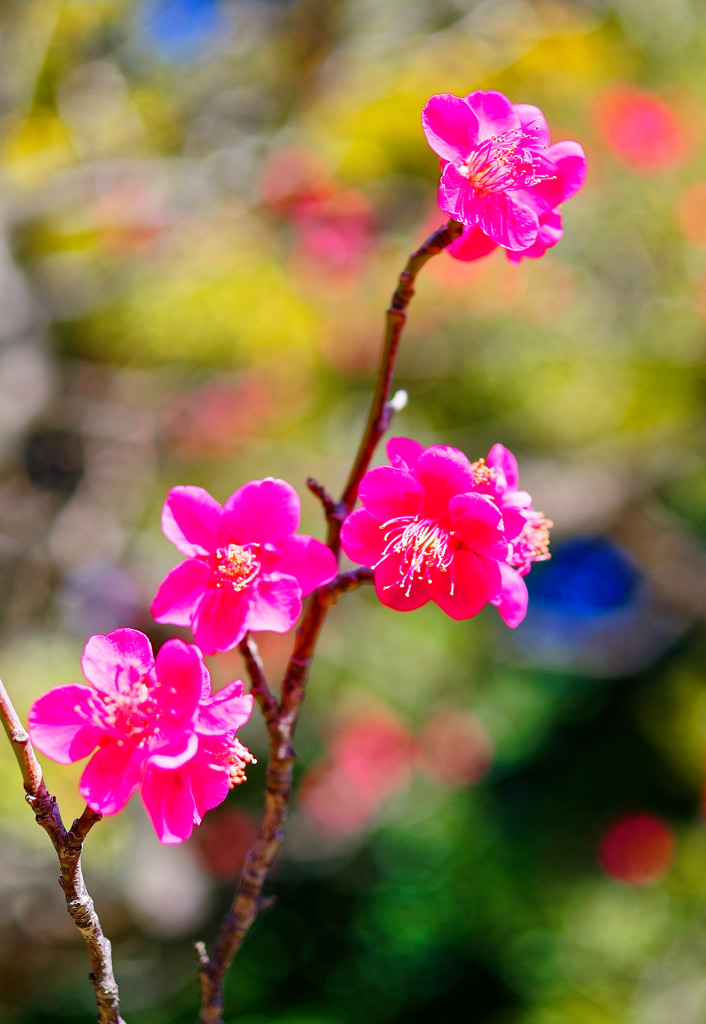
x,y
501,178
437,527
149,723
433,526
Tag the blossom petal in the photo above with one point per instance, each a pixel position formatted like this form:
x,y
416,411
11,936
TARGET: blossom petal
x,y
208,775
443,472
169,802
61,723
210,786
387,492
177,753
479,523
308,560
463,590
181,680
274,604
450,126
532,122
180,592
111,777
226,710
122,654
190,520
473,244
504,463
512,600
362,537
457,197
219,622
262,511
393,592
506,220
550,232
494,111
569,161
514,519
403,452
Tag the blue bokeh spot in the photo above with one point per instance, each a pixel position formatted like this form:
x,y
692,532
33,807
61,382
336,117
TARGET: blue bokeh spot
x,y
181,30
587,576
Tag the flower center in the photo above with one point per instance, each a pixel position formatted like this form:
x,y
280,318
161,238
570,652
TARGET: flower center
x,y
532,545
504,162
235,566
482,474
239,757
130,713
423,544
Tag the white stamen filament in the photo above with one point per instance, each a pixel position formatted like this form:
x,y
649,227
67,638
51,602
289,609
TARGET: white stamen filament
x,y
503,162
423,543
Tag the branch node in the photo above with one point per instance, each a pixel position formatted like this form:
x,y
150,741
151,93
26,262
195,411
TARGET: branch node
x,y
399,400
319,491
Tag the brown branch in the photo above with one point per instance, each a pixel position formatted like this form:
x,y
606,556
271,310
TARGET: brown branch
x,y
346,581
20,742
380,411
258,682
329,503
68,846
248,900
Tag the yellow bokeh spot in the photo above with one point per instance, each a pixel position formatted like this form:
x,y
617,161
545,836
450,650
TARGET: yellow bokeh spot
x,y
34,149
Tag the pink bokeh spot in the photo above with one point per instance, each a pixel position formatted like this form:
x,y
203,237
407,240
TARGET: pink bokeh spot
x,y
500,178
638,849
371,757
455,748
640,129
436,527
149,724
333,225
246,567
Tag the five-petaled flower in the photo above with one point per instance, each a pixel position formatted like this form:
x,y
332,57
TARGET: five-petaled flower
x,y
435,526
246,568
150,723
500,176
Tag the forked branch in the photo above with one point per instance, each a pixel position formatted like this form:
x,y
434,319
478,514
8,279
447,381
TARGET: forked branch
x,y
281,717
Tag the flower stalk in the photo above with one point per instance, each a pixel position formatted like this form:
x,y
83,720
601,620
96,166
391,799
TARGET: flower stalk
x,y
281,716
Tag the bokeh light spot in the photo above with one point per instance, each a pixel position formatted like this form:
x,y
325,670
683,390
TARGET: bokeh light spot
x,y
637,849
640,129
691,212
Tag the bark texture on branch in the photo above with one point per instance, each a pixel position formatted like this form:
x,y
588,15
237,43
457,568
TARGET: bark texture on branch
x,y
68,845
281,716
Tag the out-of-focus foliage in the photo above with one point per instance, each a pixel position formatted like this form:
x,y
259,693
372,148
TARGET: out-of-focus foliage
x,y
204,208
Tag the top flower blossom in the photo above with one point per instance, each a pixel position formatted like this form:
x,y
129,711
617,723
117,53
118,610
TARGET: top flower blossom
x,y
435,526
500,176
151,724
246,568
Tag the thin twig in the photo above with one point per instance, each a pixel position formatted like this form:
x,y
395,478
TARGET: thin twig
x,y
330,505
68,846
380,410
20,742
248,900
259,687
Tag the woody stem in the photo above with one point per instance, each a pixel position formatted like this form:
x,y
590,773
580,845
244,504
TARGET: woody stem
x,y
281,718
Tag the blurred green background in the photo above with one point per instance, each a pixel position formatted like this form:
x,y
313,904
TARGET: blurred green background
x,y
204,208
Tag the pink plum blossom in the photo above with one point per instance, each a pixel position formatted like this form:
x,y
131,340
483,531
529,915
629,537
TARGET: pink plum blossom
x,y
246,568
436,527
150,724
501,178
